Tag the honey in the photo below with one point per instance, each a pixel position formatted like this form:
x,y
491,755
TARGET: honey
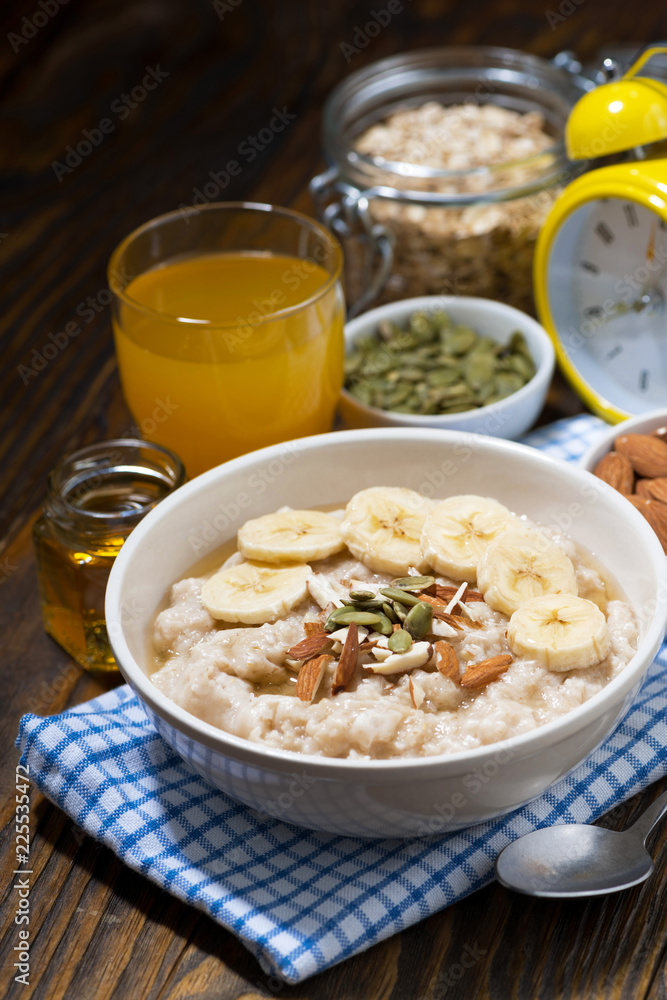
x,y
95,497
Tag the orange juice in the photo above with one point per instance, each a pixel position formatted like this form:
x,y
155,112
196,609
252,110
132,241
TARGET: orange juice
x,y
222,353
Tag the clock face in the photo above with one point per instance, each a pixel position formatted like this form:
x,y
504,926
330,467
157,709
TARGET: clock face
x,y
607,286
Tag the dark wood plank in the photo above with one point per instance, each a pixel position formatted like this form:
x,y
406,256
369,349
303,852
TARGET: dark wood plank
x,y
100,931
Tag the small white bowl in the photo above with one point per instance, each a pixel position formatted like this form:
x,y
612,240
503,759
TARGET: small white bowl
x,y
643,424
383,798
508,418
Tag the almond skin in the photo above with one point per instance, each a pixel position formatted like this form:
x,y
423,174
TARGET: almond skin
x,y
480,674
660,432
643,488
616,470
640,502
310,676
647,454
445,592
656,515
313,628
655,488
312,645
347,663
447,661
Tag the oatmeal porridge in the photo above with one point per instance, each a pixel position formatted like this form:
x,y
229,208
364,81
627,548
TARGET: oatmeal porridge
x,y
398,627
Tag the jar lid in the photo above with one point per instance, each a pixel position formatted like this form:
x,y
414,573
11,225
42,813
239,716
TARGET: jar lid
x,y
476,75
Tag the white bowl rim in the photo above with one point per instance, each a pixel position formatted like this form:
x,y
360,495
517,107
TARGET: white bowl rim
x,y
607,436
353,329
534,740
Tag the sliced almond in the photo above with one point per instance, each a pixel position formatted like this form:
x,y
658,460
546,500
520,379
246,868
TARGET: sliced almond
x,y
347,663
313,628
474,597
616,470
398,663
312,645
646,454
460,621
443,630
447,661
457,598
444,616
435,602
417,693
445,592
480,674
310,677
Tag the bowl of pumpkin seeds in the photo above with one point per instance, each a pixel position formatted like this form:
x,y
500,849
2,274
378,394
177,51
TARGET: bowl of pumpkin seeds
x,y
454,362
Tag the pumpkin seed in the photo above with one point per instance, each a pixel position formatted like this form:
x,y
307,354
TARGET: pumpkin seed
x,y
399,611
384,626
349,617
435,366
419,620
362,595
413,582
400,641
388,610
402,596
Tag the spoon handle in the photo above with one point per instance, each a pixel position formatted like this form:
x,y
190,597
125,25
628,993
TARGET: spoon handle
x,y
651,816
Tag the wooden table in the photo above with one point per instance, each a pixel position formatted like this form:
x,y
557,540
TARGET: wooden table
x,y
98,930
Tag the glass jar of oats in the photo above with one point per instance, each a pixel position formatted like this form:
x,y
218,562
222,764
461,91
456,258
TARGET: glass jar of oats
x,y
444,163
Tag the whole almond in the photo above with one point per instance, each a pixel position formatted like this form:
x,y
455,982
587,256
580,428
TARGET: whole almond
x,y
640,502
478,675
647,454
660,432
643,488
656,515
656,488
615,469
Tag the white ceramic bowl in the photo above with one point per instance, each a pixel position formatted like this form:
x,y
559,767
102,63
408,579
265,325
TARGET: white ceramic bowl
x,y
508,418
643,424
383,798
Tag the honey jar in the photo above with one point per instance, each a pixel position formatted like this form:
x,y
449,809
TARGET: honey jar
x,y
95,497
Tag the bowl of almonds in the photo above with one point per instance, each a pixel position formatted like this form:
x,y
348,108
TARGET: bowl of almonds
x,y
449,362
632,458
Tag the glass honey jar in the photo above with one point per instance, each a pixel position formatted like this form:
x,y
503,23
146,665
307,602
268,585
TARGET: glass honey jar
x,y
94,498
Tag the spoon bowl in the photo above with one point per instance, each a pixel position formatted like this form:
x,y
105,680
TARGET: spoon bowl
x,y
580,860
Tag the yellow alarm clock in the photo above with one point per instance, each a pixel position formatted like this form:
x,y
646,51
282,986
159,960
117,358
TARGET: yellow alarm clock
x,y
601,257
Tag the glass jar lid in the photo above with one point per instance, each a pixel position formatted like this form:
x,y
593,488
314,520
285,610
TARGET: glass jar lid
x,y
465,76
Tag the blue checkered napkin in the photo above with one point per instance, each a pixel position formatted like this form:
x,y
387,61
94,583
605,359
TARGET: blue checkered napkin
x,y
302,901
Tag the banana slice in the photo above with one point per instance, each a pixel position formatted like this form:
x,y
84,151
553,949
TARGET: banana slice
x,y
291,536
382,527
253,593
563,632
521,564
458,531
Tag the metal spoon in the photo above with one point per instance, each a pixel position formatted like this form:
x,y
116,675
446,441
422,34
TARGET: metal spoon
x,y
580,860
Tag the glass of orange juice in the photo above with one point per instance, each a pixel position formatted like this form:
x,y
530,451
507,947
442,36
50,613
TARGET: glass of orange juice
x,y
228,323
